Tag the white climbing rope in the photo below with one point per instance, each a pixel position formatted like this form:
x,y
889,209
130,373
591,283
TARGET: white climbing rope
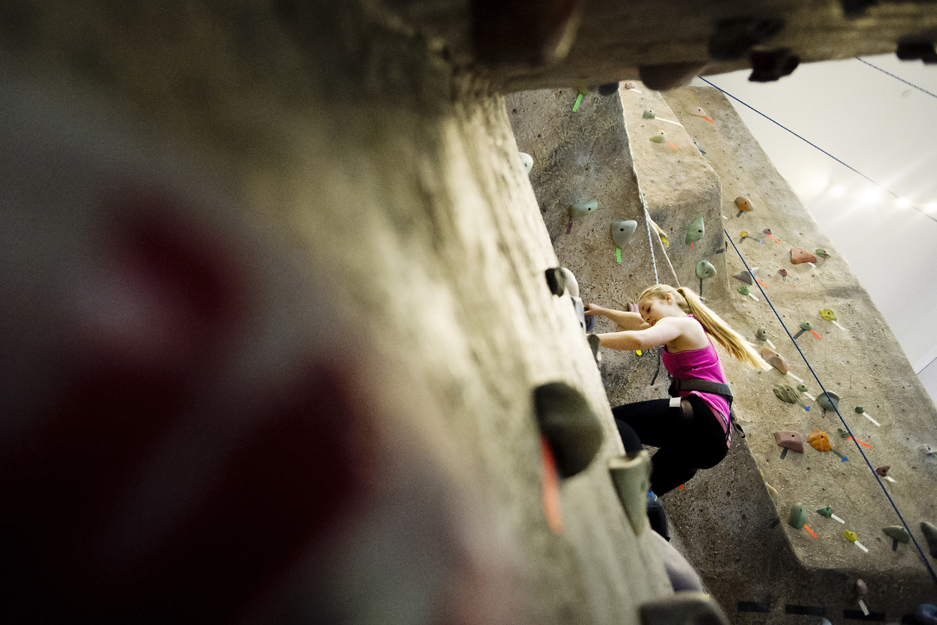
x,y
647,222
650,240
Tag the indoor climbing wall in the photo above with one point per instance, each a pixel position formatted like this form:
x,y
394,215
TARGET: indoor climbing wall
x,y
322,239
829,484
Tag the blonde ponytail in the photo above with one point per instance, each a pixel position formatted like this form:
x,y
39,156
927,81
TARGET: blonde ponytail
x,y
729,339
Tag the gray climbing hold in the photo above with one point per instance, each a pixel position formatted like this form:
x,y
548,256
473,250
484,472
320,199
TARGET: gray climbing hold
x,y
581,209
649,114
569,424
897,532
842,433
594,344
527,161
798,517
705,269
930,533
828,401
696,231
746,277
622,231
631,476
761,334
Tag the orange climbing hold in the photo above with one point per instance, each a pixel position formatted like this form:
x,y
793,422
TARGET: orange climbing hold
x,y
551,487
799,256
819,441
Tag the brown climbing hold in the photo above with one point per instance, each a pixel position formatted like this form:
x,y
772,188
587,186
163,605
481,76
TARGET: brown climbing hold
x,y
819,441
791,440
743,203
782,272
774,359
799,256
746,277
861,589
883,471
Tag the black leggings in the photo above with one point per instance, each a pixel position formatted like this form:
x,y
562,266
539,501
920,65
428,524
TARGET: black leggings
x,y
684,444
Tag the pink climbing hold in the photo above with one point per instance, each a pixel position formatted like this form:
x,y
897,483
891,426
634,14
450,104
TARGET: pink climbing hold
x,y
783,272
790,440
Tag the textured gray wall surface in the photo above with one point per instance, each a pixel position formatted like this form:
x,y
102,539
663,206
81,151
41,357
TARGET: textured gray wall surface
x,y
396,183
726,524
614,39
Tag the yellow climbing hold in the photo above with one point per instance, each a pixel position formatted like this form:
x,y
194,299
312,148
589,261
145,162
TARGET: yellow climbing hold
x,y
828,315
850,535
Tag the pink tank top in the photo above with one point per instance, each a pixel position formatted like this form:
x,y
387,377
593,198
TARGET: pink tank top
x,y
702,364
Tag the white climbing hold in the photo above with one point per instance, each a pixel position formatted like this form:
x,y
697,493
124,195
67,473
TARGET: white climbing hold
x,y
527,162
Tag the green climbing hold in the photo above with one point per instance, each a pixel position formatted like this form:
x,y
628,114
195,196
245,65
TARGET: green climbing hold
x,y
660,137
785,393
897,532
581,209
696,231
806,326
802,388
842,433
705,269
822,253
798,517
622,231
827,511
743,290
828,315
850,536
860,409
649,114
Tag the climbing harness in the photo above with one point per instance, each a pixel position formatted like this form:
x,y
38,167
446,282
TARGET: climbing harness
x,y
707,386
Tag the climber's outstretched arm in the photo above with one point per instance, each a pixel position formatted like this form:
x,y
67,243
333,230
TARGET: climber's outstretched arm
x,y
661,332
627,320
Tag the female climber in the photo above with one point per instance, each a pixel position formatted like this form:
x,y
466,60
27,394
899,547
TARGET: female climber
x,y
692,430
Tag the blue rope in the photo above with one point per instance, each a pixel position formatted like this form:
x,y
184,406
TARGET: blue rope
x,y
849,167
836,408
933,95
